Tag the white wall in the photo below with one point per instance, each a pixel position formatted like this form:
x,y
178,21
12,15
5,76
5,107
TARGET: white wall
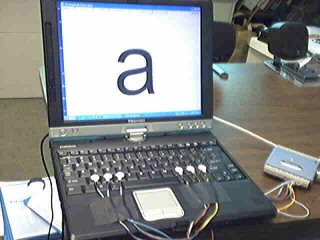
x,y
20,48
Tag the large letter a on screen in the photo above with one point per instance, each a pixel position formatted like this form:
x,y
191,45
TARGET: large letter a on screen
x,y
148,69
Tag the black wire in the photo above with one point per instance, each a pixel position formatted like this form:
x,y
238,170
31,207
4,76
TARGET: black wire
x,y
62,230
48,175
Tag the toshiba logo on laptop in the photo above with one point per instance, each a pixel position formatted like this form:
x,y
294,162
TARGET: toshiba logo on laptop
x,y
141,120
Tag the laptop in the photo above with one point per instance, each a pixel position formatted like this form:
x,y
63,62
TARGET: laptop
x,y
130,106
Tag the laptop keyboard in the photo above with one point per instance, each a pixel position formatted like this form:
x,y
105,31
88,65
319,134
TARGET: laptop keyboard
x,y
146,166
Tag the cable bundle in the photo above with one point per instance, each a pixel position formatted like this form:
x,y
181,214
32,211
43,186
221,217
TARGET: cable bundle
x,y
286,193
195,227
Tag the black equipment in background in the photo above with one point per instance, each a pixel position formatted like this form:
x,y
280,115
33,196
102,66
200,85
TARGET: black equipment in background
x,y
289,41
286,40
224,41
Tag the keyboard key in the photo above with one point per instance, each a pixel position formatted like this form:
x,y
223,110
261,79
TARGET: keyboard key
x,y
74,152
156,167
150,183
111,150
121,169
75,182
78,167
234,170
84,173
83,152
102,150
118,156
91,165
69,174
130,156
174,152
101,164
152,154
107,170
166,173
115,164
74,190
228,177
96,171
133,169
67,168
145,168
107,157
88,189
115,186
92,151
120,150
218,177
62,153
131,177
72,160
94,158
155,174
213,167
230,165
128,149
143,175
164,153
239,176
142,155
127,163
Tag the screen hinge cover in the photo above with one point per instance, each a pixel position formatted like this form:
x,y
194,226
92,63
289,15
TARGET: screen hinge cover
x,y
136,134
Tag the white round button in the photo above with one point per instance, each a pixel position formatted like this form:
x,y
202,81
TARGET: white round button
x,y
202,168
107,176
179,170
95,178
191,169
119,175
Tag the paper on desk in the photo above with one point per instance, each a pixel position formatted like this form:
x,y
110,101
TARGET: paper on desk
x,y
24,223
41,205
1,217
1,222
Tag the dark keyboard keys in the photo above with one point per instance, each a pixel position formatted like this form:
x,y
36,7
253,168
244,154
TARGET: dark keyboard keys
x,y
74,190
145,166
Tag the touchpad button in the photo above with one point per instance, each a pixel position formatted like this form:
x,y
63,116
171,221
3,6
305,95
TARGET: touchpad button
x,y
156,204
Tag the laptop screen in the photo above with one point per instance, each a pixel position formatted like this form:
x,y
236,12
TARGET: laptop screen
x,y
129,61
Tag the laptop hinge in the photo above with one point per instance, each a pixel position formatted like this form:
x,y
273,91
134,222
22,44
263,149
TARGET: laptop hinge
x,y
136,134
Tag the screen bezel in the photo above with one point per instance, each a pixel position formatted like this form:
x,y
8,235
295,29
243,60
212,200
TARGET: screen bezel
x,y
51,52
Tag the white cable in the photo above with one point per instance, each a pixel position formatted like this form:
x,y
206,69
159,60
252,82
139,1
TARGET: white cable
x,y
245,131
288,183
128,231
297,216
274,145
279,186
98,190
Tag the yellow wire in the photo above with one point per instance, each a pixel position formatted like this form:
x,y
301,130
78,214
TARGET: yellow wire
x,y
293,199
205,223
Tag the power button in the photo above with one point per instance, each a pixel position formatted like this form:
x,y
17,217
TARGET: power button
x,y
63,132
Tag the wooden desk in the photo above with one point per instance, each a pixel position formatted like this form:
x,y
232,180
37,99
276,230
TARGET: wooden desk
x,y
259,100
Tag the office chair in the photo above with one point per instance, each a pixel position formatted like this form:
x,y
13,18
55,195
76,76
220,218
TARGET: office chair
x,y
224,41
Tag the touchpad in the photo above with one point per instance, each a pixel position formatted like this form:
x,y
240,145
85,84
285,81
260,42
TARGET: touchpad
x,y
156,204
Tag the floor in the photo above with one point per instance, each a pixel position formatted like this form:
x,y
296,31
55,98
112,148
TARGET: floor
x,y
23,123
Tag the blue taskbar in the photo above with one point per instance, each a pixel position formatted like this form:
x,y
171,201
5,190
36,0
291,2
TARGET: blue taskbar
x,y
133,115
